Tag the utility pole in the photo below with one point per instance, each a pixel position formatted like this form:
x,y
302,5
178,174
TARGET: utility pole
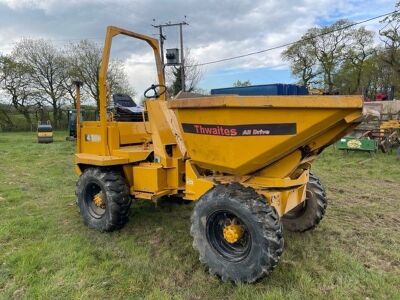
x,y
182,59
163,38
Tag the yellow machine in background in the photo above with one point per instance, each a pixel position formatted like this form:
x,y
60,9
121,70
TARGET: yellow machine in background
x,y
44,132
390,124
245,160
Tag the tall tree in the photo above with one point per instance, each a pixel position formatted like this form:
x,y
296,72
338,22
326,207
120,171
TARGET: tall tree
x,y
361,47
15,80
379,74
84,59
349,77
303,62
117,79
48,75
329,45
333,55
390,36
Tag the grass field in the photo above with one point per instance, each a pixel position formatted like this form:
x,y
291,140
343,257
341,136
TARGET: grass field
x,y
47,252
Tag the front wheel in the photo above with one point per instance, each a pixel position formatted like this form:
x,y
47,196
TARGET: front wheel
x,y
238,236
103,199
310,212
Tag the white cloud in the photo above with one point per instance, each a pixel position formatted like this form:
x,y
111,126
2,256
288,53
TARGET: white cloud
x,y
141,72
217,29
47,6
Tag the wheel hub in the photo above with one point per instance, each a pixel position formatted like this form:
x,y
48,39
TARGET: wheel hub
x,y
99,201
233,233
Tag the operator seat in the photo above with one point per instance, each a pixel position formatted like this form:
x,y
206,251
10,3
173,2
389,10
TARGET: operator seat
x,y
126,110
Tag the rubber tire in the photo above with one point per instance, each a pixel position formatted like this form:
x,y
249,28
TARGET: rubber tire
x,y
262,221
314,210
45,140
118,200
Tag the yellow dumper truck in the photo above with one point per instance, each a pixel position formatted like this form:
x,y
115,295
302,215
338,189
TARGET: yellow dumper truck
x,y
245,161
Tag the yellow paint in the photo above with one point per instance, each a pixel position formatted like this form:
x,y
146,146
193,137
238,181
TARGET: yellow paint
x,y
285,199
149,178
233,233
391,124
282,167
151,195
99,160
133,153
318,121
256,181
158,158
101,146
99,201
281,193
132,132
196,185
45,134
161,130
313,102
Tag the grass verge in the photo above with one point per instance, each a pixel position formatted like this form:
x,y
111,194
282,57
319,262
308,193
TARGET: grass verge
x,y
47,252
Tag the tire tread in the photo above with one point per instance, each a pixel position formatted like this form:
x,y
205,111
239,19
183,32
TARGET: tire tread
x,y
117,194
267,219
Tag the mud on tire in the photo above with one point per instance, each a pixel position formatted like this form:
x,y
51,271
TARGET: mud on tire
x,y
260,247
112,212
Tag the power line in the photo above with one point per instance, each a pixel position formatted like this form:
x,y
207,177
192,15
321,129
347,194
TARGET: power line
x,y
291,43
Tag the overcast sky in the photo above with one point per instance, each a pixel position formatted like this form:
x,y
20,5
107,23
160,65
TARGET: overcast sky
x,y
217,29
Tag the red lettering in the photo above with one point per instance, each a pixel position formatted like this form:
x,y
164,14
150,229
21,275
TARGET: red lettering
x,y
198,128
217,130
208,130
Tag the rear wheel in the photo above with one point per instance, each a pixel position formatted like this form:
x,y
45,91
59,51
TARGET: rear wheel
x,y
103,199
238,236
310,212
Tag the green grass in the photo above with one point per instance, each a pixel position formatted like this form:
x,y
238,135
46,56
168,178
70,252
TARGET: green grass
x,y
47,252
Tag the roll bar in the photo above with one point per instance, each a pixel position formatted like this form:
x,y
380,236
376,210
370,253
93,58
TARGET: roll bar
x,y
113,31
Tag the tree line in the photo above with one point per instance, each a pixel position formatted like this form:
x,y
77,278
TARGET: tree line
x,y
37,75
36,80
342,59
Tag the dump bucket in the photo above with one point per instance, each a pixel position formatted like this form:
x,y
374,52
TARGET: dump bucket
x,y
239,135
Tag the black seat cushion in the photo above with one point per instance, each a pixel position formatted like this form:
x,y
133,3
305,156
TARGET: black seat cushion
x,y
126,110
123,100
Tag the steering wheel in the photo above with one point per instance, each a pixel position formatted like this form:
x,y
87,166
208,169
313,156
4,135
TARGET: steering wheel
x,y
154,88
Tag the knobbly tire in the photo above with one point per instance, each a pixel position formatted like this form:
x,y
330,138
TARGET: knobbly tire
x,y
308,214
242,216
103,199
